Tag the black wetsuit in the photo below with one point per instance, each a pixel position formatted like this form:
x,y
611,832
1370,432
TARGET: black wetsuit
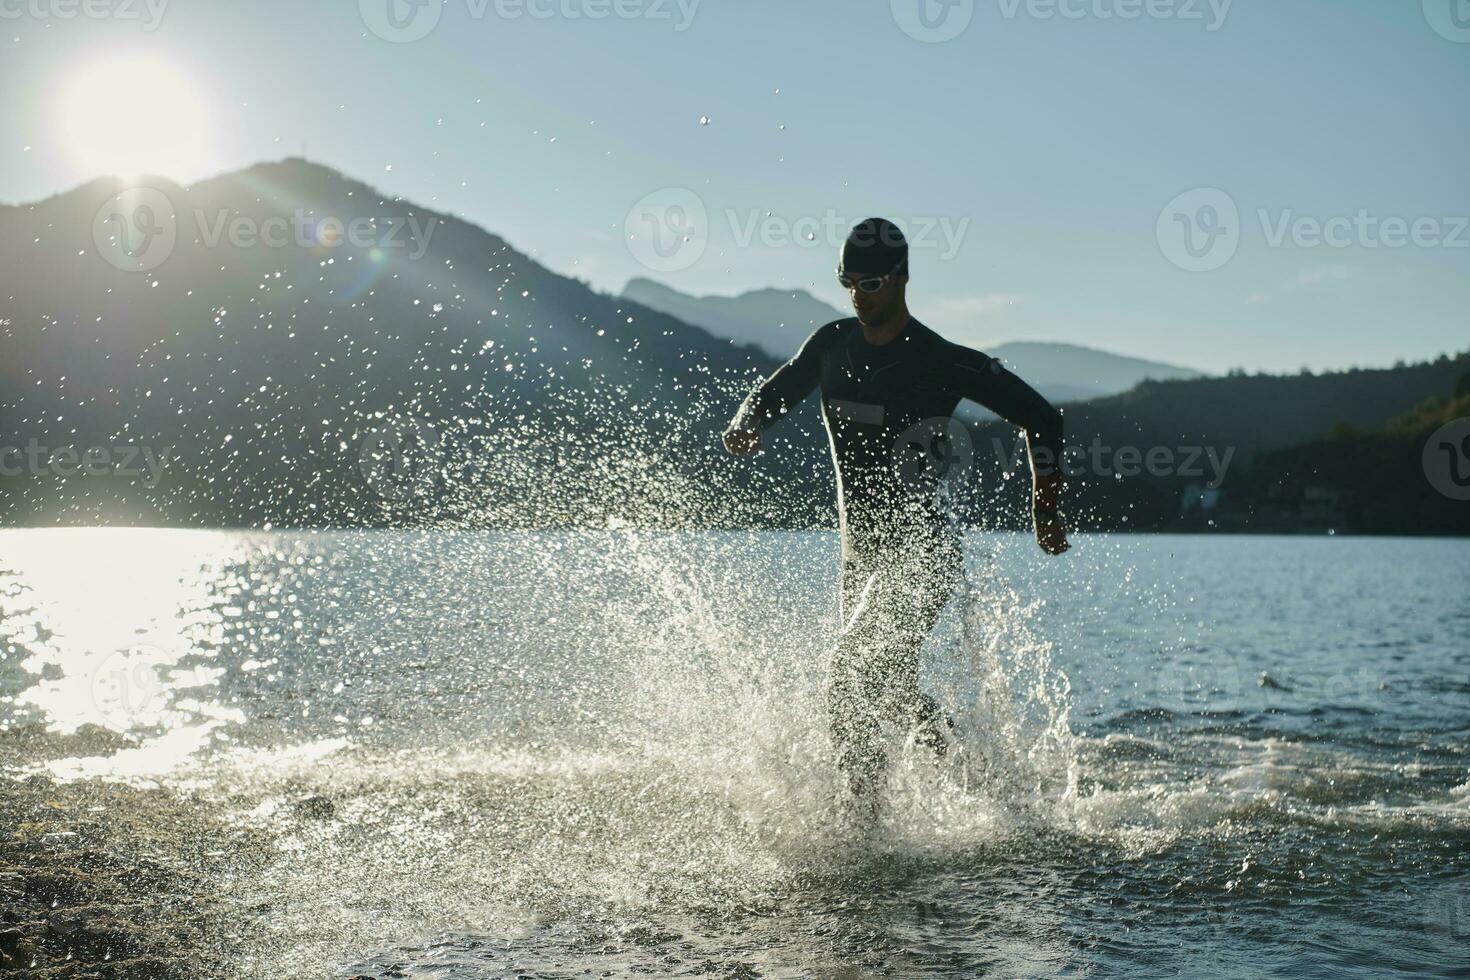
x,y
888,412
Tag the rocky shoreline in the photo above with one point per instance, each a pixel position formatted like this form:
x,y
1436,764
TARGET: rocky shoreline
x,y
100,881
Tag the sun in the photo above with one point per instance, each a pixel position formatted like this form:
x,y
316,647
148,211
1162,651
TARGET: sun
x,y
131,115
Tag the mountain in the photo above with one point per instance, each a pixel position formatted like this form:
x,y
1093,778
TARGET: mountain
x,y
1238,437
1390,479
1069,373
304,350
777,321
286,346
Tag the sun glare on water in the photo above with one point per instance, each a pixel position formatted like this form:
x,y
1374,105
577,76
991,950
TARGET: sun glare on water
x,y
133,115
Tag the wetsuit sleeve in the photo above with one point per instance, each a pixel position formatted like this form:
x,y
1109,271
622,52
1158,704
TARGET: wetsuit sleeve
x,y
786,389
984,380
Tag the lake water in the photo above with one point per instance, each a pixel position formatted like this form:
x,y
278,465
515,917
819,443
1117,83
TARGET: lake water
x,y
601,754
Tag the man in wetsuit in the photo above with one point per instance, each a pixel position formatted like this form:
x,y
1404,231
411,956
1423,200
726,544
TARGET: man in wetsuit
x,y
889,388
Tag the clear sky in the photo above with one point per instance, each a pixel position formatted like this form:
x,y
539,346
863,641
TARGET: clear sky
x,y
1039,153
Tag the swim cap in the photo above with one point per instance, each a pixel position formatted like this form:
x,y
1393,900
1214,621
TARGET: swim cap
x,y
876,247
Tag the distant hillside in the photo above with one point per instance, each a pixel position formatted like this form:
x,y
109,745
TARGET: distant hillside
x,y
285,346
1253,425
1087,373
1358,480
1264,411
308,351
777,321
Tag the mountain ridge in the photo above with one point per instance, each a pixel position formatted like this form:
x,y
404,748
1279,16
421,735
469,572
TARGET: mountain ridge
x,y
332,384
264,368
778,320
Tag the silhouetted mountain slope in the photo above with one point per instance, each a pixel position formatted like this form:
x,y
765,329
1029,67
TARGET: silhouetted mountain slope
x,y
1262,412
1374,481
1085,372
301,350
419,369
775,320
1246,425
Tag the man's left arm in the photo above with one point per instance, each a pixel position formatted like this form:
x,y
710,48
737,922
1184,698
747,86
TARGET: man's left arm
x,y
985,381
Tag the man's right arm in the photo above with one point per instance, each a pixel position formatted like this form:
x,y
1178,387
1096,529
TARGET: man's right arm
x,y
779,395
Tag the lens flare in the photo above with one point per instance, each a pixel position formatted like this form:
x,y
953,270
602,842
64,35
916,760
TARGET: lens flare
x,y
133,115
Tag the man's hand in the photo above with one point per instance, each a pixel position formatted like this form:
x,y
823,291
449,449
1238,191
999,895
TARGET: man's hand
x,y
742,442
1051,533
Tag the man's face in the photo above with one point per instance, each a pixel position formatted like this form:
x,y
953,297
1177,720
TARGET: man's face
x,y
878,307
